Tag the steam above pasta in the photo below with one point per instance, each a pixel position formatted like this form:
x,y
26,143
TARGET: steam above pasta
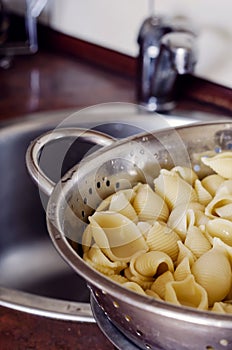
x,y
172,242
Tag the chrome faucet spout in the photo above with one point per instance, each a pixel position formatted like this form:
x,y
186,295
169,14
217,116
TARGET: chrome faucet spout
x,y
165,52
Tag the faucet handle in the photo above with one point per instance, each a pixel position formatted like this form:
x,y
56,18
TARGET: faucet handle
x,y
182,47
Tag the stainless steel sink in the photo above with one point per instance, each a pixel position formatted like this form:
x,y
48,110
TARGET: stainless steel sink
x,y
33,277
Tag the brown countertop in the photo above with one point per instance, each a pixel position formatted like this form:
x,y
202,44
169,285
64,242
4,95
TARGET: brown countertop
x,y
51,81
47,81
22,331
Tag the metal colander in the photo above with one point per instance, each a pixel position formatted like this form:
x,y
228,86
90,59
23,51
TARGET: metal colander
x,y
149,323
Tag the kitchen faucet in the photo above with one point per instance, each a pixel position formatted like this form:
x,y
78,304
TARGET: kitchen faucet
x,y
166,50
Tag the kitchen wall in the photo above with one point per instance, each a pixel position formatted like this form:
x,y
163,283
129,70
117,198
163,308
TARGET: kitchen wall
x,y
115,25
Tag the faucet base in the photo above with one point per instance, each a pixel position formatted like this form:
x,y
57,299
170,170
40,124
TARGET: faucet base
x,y
153,105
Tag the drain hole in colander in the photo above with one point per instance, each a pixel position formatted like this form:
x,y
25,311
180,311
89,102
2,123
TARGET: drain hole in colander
x,y
127,318
224,342
139,333
108,183
116,305
209,347
98,184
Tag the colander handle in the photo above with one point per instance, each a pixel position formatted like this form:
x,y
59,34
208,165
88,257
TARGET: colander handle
x,y
34,151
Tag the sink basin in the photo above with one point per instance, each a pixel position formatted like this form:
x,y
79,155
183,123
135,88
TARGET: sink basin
x,y
33,277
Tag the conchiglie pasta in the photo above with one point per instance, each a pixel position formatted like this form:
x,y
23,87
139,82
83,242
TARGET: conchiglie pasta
x,y
220,228
220,163
187,174
174,189
143,281
97,259
144,227
183,253
152,294
151,264
117,236
225,188
220,206
172,243
148,205
128,193
187,293
185,215
159,285
120,203
161,237
213,272
118,278
204,197
196,241
182,270
222,308
212,182
134,287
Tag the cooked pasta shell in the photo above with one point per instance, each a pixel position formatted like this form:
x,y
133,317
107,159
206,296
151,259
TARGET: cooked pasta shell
x,y
159,285
87,239
222,308
117,236
196,241
182,270
220,228
97,259
180,219
120,203
148,205
134,287
161,237
151,264
187,293
223,247
118,278
227,307
184,252
220,163
220,206
173,189
213,272
225,188
212,182
206,234
152,294
218,307
144,227
128,193
204,197
200,218
143,281
186,173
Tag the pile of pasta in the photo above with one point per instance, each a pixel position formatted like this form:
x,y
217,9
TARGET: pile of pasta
x,y
172,242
